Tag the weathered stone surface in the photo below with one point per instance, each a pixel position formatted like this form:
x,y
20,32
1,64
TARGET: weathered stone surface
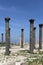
x,y
22,38
34,36
2,37
31,35
7,36
40,36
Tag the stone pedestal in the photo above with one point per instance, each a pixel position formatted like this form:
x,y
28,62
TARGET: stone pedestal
x,y
34,36
7,36
22,38
40,36
31,35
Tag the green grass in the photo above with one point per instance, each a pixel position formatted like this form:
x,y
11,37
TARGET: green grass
x,y
37,61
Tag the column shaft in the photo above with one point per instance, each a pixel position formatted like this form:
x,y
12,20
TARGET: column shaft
x,y
7,36
31,36
34,37
2,37
40,36
22,37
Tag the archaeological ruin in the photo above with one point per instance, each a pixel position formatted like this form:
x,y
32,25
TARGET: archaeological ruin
x,y
32,36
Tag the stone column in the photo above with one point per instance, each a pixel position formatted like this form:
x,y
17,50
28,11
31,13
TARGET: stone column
x,y
40,36
2,37
9,37
22,38
7,52
31,35
34,37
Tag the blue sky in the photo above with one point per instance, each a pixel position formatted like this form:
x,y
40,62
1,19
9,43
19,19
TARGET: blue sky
x,y
20,11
